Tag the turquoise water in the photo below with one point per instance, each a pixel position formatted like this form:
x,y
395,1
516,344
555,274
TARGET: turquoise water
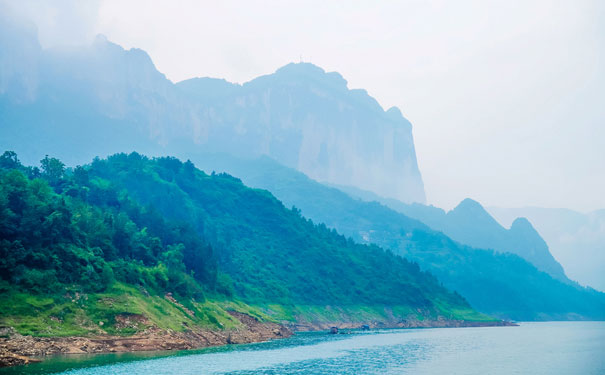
x,y
531,348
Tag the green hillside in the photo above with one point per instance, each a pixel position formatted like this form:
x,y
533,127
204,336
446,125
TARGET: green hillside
x,y
82,247
499,284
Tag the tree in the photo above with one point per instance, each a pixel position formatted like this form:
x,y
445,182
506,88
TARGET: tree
x,y
9,160
81,176
53,170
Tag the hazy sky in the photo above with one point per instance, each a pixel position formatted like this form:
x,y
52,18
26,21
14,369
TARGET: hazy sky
x,y
507,98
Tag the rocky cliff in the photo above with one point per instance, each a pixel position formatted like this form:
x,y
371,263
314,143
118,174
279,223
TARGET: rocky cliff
x,y
78,103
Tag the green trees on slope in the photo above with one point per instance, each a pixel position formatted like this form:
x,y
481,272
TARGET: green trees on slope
x,y
168,227
84,234
271,253
499,284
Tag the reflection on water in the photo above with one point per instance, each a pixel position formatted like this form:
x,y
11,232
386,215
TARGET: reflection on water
x,y
536,348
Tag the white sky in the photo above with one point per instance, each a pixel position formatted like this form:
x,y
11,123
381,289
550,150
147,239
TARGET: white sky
x,y
507,98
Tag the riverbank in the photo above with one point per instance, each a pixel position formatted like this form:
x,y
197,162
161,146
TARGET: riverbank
x,y
16,349
440,323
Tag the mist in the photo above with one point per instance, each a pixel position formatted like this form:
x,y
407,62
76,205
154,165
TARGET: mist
x,y
495,91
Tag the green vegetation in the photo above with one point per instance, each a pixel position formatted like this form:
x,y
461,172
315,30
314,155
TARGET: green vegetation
x,y
271,253
58,230
120,310
372,313
498,284
129,242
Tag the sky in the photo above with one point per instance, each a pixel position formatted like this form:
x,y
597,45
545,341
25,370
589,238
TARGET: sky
x,y
507,98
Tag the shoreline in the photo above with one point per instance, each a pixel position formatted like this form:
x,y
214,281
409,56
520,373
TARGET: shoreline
x,y
18,350
304,327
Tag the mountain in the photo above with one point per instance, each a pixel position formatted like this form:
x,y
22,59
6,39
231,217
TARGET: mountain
x,y
78,103
500,284
470,224
575,238
124,235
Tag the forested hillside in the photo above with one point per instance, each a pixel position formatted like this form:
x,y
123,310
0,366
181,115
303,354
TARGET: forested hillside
x,y
80,247
470,224
501,284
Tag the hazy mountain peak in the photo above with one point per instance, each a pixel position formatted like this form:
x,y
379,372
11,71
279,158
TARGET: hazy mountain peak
x,y
394,113
103,45
472,209
100,39
474,213
301,115
304,70
300,68
117,54
574,238
469,204
521,224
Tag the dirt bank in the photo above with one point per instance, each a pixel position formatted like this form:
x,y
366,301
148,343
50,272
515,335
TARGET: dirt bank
x,y
16,349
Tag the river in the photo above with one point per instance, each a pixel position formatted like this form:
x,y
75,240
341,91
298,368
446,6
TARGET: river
x,y
531,348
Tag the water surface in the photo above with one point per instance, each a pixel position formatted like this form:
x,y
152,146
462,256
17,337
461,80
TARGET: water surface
x,y
531,348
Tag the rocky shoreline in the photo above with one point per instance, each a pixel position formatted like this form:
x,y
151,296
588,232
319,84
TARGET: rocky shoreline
x,y
441,323
16,349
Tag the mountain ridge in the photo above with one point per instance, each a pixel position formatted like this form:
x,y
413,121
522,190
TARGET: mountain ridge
x,y
502,284
470,223
301,115
128,226
576,239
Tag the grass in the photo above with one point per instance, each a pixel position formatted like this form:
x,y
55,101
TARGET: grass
x,y
457,313
72,314
350,313
75,314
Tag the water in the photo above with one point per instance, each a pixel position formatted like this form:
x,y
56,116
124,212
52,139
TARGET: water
x,y
532,348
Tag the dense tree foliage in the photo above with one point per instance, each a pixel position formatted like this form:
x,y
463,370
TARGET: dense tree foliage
x,y
271,252
66,229
168,226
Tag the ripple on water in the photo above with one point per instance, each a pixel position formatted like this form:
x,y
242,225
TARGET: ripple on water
x,y
536,348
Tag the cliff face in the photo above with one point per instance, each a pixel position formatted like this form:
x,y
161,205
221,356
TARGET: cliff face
x,y
102,99
309,120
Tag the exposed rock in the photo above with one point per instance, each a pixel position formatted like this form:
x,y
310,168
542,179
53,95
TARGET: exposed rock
x,y
130,321
300,115
16,349
170,298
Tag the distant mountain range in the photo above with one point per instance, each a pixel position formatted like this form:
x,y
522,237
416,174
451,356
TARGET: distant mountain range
x,y
78,103
84,102
576,239
495,282
470,224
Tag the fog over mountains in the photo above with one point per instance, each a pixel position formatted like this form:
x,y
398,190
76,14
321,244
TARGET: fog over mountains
x,y
471,224
575,238
77,103
82,102
507,282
